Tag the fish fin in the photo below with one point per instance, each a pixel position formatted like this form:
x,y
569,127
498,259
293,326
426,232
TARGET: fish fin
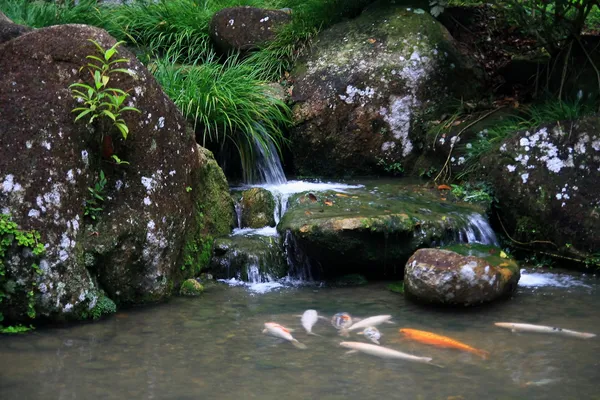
x,y
513,330
588,335
436,365
390,322
375,341
483,354
265,331
325,318
344,333
351,351
298,344
314,334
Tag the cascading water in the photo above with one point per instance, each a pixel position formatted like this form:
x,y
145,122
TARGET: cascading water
x,y
478,230
268,165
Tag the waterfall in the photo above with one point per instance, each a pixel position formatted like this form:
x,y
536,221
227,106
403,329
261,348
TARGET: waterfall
x,y
268,165
478,230
298,263
238,213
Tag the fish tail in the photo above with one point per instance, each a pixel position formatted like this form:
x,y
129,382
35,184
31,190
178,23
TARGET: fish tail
x,y
587,335
314,334
482,353
436,365
344,333
298,344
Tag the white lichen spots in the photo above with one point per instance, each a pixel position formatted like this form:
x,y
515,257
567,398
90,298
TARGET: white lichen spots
x,y
467,272
67,308
230,22
118,184
555,164
42,288
503,148
148,183
511,168
147,201
387,146
70,176
46,144
63,255
9,185
265,19
29,144
40,203
139,91
596,144
160,124
524,142
33,213
171,173
461,160
525,177
353,94
398,118
85,157
53,197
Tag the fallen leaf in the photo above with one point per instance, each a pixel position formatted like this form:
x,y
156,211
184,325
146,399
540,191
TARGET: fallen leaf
x,y
312,197
355,197
328,203
371,40
503,255
341,195
443,199
444,187
444,218
307,213
386,211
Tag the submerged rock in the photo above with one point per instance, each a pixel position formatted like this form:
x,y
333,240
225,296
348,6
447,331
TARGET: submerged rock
x,y
365,84
191,287
546,181
257,208
249,258
373,231
446,277
136,247
245,28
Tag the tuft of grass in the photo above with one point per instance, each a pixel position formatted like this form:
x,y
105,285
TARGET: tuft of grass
x,y
226,102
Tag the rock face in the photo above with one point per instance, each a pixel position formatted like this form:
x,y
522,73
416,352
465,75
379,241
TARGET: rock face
x,y
9,30
547,184
364,86
257,208
446,277
373,231
135,249
245,28
249,258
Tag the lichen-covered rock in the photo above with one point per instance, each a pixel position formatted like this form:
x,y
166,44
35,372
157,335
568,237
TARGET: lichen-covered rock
x,y
446,277
191,287
245,28
364,85
134,250
547,182
249,258
258,208
373,231
9,30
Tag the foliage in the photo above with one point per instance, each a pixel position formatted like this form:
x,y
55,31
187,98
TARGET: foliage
x,y
396,287
394,168
100,100
15,329
104,306
226,102
191,287
11,235
93,205
473,193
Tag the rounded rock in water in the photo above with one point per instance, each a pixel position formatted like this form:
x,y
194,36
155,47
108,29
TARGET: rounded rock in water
x,y
341,320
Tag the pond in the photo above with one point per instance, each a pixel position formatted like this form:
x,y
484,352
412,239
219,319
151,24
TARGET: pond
x,y
213,347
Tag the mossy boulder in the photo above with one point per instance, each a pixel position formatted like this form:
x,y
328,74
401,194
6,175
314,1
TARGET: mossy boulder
x,y
257,207
475,275
546,181
191,287
365,85
249,258
245,28
134,250
373,230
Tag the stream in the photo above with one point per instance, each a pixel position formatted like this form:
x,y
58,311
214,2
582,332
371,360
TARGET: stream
x,y
213,347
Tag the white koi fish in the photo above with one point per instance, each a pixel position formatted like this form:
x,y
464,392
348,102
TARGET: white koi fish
x,y
279,331
372,334
309,319
367,322
516,327
384,352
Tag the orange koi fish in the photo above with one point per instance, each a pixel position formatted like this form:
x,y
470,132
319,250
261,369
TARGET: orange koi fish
x,y
441,341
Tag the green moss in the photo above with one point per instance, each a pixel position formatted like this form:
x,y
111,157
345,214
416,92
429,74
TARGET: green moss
x,y
191,287
491,254
104,306
351,280
396,287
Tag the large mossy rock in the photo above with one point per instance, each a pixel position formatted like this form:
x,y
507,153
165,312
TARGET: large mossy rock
x,y
476,275
249,258
547,182
373,231
257,208
245,28
136,249
366,84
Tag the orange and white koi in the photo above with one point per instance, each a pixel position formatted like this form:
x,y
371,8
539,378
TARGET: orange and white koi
x,y
440,341
279,331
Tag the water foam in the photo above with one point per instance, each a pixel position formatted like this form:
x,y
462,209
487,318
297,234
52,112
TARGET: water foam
x,y
547,279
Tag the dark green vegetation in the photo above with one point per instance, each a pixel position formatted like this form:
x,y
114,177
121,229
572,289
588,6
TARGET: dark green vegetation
x,y
11,235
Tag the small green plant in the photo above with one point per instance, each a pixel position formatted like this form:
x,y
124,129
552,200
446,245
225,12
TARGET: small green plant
x,y
93,205
473,193
16,329
10,234
396,287
394,168
188,189
100,100
104,306
118,160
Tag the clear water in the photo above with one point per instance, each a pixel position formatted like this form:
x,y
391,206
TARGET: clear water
x,y
212,348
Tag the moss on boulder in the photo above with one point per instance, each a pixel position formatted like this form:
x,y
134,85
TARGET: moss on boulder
x,y
191,287
258,208
366,83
